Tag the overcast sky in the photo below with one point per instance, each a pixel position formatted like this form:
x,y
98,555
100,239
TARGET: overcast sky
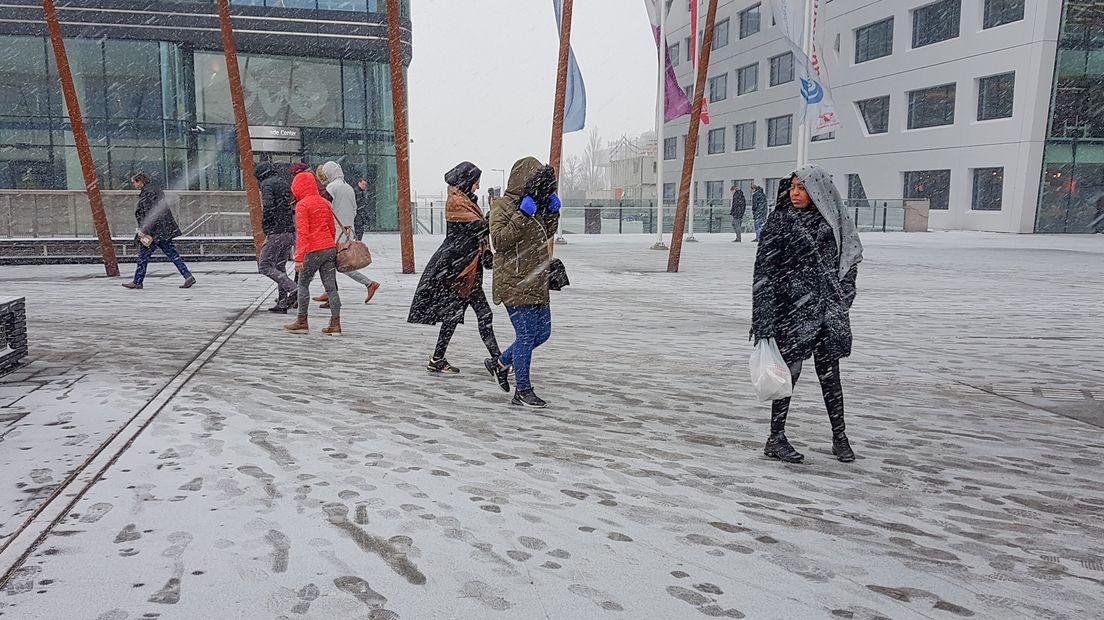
x,y
482,81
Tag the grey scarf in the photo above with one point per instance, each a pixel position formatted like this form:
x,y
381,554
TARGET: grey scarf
x,y
827,199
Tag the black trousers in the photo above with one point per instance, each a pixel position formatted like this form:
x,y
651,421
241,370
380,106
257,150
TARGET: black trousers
x,y
478,302
828,371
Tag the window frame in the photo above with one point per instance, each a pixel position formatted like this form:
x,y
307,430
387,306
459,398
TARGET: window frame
x,y
988,21
869,28
740,83
772,135
774,74
710,150
737,132
713,81
978,177
933,6
981,82
912,106
742,19
859,105
909,184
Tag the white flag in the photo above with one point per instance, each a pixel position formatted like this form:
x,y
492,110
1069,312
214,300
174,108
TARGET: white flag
x,y
817,108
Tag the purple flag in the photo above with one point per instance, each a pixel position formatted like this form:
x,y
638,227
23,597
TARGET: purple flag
x,y
675,101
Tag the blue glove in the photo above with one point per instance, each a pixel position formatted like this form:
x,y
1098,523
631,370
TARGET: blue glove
x,y
555,206
529,206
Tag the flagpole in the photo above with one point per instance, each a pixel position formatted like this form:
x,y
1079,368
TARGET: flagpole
x,y
402,135
560,102
692,141
803,136
694,84
661,113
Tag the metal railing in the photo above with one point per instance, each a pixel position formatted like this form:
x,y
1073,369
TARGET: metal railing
x,y
639,216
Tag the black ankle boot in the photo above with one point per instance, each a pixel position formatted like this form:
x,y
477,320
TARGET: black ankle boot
x,y
842,448
528,398
778,447
441,366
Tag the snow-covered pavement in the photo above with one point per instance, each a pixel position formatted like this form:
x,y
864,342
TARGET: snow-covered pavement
x,y
248,473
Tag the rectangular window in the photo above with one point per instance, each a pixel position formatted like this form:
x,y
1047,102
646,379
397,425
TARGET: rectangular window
x,y
935,185
689,45
782,69
988,189
874,41
747,79
995,95
779,130
931,107
718,88
689,90
720,34
750,21
673,52
936,22
875,113
716,140
668,192
824,137
745,136
714,192
1001,12
855,189
670,147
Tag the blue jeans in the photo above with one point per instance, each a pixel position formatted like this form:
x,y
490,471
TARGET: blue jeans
x,y
166,246
533,326
758,228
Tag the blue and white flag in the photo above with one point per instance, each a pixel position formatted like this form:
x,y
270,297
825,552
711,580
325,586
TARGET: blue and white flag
x,y
575,102
817,108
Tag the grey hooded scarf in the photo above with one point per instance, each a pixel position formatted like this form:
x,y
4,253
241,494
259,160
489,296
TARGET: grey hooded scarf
x,y
827,199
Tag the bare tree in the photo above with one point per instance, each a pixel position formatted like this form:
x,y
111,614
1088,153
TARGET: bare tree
x,y
592,162
573,175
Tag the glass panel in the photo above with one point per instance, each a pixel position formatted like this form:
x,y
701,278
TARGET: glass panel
x,y
874,41
24,84
673,52
782,69
355,101
718,88
133,79
747,79
778,130
716,141
875,113
670,146
745,136
720,34
988,189
935,185
936,22
750,21
995,96
1000,12
931,107
86,63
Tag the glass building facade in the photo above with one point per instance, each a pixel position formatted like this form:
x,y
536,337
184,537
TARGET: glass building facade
x,y
163,106
1071,199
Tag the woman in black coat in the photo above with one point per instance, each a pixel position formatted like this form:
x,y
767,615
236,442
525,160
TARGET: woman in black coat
x,y
453,279
155,220
805,272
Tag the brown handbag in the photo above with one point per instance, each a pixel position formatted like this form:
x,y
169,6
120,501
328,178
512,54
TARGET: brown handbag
x,y
352,254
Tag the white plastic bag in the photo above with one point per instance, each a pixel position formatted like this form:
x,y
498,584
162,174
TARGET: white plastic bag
x,y
769,373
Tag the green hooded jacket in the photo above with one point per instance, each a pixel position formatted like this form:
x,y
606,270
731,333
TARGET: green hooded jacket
x,y
520,243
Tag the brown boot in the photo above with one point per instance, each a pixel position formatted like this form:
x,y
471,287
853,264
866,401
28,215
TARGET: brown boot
x,y
334,329
299,326
322,297
372,288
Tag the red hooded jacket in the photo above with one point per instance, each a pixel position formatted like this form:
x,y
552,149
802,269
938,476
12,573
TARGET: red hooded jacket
x,y
314,222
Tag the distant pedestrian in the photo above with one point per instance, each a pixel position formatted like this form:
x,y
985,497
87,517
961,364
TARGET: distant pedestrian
x,y
739,208
156,230
453,278
364,216
315,252
278,223
344,213
1098,221
523,223
805,273
758,209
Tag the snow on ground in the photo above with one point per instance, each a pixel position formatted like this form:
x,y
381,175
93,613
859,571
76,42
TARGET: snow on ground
x,y
305,477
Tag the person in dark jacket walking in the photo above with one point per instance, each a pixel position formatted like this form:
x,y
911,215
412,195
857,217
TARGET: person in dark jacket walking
x,y
758,209
278,223
365,203
155,222
739,208
522,223
315,252
453,278
805,273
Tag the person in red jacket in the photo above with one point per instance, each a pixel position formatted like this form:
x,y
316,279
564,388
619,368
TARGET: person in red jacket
x,y
315,251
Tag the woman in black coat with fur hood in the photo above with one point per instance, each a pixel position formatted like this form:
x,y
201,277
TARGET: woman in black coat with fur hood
x,y
805,273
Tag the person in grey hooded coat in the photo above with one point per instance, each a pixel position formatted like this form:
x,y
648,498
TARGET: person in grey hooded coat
x,y
805,282
344,209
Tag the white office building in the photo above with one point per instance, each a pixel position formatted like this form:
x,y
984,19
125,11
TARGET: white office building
x,y
991,109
